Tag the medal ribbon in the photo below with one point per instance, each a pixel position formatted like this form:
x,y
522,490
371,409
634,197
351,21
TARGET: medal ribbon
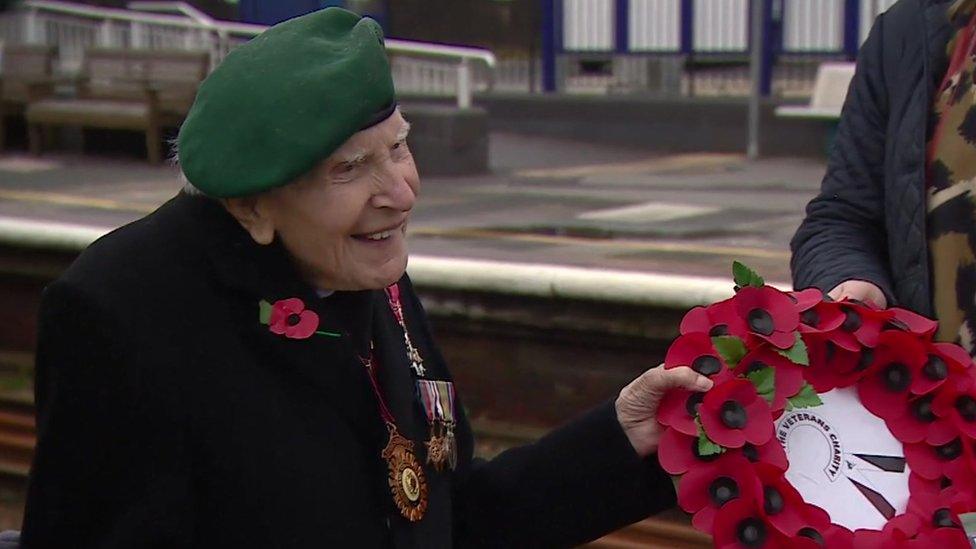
x,y
438,399
413,356
393,297
369,364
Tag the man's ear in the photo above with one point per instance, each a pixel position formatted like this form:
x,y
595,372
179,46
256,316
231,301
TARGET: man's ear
x,y
248,212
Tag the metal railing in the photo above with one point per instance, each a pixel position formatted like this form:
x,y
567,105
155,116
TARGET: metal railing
x,y
418,68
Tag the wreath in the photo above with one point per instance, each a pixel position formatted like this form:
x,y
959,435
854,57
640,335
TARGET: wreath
x,y
771,353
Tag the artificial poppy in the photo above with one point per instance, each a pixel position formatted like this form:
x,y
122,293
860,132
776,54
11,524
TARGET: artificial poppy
x,y
722,320
919,484
707,488
783,506
896,533
903,319
898,361
817,528
956,403
696,351
836,537
960,482
787,376
832,366
938,513
290,318
861,322
771,453
678,453
696,320
938,509
934,461
732,414
823,317
806,299
944,359
740,524
679,408
768,313
917,422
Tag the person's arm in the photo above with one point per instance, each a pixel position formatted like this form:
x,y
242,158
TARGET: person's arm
x,y
110,468
595,475
843,235
584,480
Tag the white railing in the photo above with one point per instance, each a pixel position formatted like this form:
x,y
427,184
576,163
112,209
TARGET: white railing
x,y
447,70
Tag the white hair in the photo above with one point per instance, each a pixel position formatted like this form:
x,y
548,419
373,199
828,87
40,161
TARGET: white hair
x,y
188,188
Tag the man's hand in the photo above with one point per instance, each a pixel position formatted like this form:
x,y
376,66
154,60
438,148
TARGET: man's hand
x,y
860,290
638,402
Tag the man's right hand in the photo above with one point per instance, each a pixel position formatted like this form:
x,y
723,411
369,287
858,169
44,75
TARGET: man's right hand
x,y
860,290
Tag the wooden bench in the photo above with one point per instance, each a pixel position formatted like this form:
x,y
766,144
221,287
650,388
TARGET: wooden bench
x,y
25,73
829,92
124,89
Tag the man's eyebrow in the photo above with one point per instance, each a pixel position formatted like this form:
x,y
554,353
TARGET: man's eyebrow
x,y
404,130
354,157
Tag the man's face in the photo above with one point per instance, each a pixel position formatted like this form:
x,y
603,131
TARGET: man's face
x,y
345,223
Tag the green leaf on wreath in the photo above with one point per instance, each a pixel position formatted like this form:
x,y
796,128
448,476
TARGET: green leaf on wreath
x,y
744,276
264,314
765,381
806,398
731,349
706,447
798,352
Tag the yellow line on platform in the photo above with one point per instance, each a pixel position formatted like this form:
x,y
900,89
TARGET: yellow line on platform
x,y
640,245
75,201
678,162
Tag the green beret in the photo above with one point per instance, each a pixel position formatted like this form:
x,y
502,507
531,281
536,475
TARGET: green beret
x,y
281,103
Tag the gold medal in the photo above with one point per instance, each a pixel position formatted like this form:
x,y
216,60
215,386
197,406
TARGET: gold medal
x,y
437,451
406,477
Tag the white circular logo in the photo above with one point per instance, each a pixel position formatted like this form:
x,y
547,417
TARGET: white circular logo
x,y
844,460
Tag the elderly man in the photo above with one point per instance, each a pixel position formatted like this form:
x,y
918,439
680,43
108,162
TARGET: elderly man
x,y
249,366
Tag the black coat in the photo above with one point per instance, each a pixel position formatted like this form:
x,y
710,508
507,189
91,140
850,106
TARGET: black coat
x,y
868,221
168,416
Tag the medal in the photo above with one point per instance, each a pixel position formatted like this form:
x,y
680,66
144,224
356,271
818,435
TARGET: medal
x,y
413,355
437,396
437,451
438,400
406,476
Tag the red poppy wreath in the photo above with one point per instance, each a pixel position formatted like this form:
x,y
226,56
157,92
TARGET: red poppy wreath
x,y
829,424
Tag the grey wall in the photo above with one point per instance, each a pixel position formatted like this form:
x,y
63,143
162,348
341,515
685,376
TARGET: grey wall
x,y
680,125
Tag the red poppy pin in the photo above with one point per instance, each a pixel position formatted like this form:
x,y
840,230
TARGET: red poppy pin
x,y
772,355
290,318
